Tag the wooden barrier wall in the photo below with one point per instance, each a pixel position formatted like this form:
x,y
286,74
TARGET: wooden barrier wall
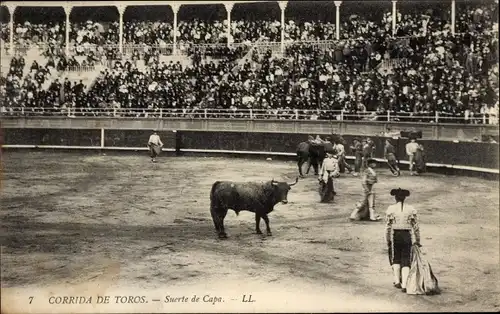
x,y
440,131
473,154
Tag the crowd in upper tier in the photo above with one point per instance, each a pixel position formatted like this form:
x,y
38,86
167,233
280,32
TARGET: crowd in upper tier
x,y
431,70
411,21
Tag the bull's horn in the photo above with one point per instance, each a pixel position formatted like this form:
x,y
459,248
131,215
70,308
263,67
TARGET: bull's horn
x,y
296,180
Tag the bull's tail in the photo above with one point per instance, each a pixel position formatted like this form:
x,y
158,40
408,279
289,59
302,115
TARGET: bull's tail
x,y
214,200
213,207
215,211
212,192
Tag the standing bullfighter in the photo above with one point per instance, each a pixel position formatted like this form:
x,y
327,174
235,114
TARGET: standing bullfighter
x,y
340,149
259,198
411,149
401,232
390,155
155,145
329,170
303,154
366,207
420,159
372,146
357,149
367,153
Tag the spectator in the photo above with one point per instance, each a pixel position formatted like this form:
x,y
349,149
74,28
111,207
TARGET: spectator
x,y
367,74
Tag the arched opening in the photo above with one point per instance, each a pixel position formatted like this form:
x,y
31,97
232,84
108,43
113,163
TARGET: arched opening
x,y
255,21
310,21
420,17
94,25
4,14
202,24
4,24
152,25
365,19
39,25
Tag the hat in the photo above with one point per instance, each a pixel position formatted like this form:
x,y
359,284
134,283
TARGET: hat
x,y
400,192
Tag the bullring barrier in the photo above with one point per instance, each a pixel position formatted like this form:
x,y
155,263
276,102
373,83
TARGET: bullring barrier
x,y
242,137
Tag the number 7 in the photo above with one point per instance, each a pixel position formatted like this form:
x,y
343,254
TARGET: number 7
x,y
31,299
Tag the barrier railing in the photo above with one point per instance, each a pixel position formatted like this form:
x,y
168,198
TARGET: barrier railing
x,y
83,49
290,114
131,137
167,49
391,63
81,68
21,49
129,49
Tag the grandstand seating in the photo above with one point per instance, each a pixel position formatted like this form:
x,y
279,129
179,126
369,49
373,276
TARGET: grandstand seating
x,y
418,67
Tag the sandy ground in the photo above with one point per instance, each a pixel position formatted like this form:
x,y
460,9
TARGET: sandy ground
x,y
75,224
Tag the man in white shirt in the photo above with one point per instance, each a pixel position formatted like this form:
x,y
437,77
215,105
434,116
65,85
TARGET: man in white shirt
x,y
411,149
343,165
493,114
329,169
155,145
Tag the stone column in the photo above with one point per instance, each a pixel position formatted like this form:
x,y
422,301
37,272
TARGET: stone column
x,y
67,10
283,5
337,20
121,10
12,11
175,8
229,7
394,17
453,17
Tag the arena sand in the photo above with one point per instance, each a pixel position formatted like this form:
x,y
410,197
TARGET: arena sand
x,y
87,224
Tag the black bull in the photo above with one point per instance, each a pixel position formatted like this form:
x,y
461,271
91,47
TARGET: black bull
x,y
314,153
258,198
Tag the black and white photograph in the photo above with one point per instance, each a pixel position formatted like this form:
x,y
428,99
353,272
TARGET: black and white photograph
x,y
249,156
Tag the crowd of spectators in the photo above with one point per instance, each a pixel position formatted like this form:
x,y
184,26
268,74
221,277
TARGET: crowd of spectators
x,y
477,18
436,71
30,91
4,32
412,22
409,23
26,90
29,33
